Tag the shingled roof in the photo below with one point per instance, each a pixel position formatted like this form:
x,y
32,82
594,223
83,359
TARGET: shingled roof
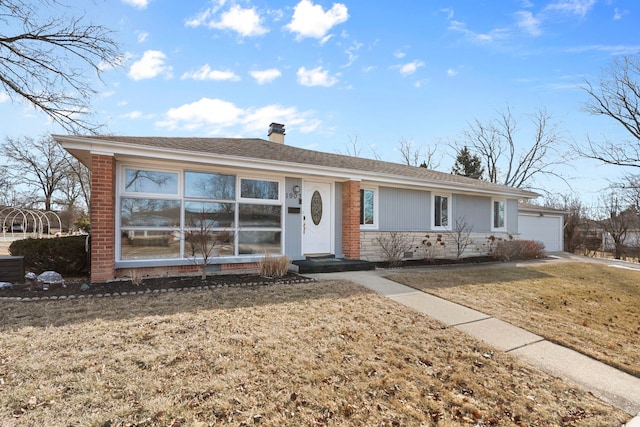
x,y
263,150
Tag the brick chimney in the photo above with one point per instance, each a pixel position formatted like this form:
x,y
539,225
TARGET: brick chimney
x,y
276,133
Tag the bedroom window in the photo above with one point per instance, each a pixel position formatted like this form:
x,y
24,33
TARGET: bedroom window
x,y
441,211
499,214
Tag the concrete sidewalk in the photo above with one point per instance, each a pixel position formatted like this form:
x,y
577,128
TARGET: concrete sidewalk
x,y
615,387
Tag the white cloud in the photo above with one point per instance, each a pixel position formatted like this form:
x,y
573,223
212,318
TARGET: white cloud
x,y
352,53
245,22
311,20
265,76
217,116
4,96
410,68
152,64
142,36
449,13
136,115
529,23
206,73
451,72
205,113
575,7
315,77
257,119
492,36
203,17
138,4
399,54
618,14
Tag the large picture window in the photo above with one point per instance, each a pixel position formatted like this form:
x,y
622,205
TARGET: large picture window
x,y
148,181
201,185
174,214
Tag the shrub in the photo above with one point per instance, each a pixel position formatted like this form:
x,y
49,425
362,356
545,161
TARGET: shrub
x,y
509,250
274,266
394,246
65,255
433,250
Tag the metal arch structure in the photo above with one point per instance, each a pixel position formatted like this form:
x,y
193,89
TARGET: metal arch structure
x,y
31,222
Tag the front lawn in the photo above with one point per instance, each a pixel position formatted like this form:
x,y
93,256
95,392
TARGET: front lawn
x,y
589,307
313,354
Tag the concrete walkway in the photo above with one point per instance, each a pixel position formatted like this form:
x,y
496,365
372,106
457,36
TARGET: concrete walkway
x,y
611,385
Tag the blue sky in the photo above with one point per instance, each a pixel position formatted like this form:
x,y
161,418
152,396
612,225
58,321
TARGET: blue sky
x,y
336,71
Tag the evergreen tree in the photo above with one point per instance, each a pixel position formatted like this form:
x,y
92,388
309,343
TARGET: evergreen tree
x,y
467,164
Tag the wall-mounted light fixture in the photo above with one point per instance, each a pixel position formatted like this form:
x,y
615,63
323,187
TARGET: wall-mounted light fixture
x,y
296,189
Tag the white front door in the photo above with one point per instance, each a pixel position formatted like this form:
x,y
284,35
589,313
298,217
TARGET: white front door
x,y
317,229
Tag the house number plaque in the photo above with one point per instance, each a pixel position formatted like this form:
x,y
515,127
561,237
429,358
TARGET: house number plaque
x,y
316,207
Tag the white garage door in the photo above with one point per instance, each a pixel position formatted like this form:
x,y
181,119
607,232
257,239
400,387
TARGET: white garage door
x,y
546,229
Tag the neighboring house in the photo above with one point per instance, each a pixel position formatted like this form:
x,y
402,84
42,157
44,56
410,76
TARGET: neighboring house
x,y
542,224
631,240
262,196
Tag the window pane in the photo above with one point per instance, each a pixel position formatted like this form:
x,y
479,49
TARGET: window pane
x,y
259,242
366,207
260,216
258,189
441,218
209,186
498,214
142,181
150,213
212,244
205,215
149,244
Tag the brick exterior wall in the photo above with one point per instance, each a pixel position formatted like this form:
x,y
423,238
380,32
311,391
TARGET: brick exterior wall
x,y
103,215
416,242
351,219
191,269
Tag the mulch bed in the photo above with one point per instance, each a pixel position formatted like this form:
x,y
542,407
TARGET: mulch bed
x,y
74,286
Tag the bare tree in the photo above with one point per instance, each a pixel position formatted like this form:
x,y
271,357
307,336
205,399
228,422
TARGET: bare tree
x,y
74,192
415,155
203,241
510,161
356,148
616,219
41,164
630,186
7,193
617,96
80,176
45,60
460,234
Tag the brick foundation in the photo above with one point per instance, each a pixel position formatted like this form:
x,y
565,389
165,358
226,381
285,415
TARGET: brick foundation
x,y
191,269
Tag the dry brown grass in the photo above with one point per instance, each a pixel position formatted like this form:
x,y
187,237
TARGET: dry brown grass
x,y
274,266
327,353
589,307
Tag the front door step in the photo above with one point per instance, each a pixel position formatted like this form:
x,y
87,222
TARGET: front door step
x,y
330,264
